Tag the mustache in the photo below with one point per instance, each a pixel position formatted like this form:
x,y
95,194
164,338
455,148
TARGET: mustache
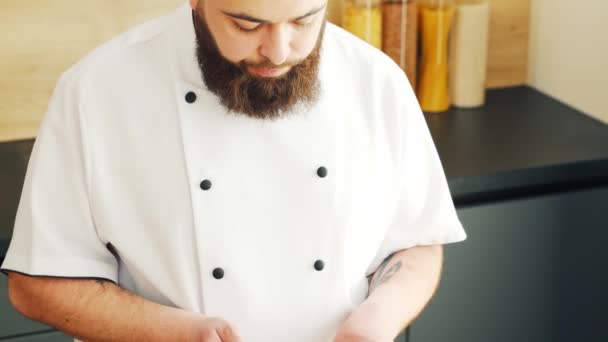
x,y
269,65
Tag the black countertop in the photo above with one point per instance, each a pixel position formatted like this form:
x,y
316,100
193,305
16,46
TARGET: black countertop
x,y
520,143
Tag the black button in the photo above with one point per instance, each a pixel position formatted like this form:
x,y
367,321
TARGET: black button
x,y
190,97
218,273
319,265
322,172
206,184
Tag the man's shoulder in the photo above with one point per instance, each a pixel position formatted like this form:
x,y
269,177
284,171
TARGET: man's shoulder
x,y
116,53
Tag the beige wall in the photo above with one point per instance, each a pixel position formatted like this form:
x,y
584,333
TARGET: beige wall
x,y
41,39
568,54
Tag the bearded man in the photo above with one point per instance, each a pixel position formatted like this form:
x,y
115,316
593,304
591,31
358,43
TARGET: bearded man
x,y
237,170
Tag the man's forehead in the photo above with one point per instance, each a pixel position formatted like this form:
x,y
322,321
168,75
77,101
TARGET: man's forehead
x,y
269,10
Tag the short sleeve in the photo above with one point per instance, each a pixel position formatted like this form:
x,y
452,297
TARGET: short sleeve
x,y
54,233
425,212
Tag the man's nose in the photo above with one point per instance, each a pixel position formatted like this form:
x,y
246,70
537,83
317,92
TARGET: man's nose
x,y
276,46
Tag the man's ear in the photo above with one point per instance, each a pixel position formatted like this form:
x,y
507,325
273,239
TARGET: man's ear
x,y
193,4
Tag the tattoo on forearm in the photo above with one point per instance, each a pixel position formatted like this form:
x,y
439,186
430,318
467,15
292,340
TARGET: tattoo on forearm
x,y
383,274
380,269
389,273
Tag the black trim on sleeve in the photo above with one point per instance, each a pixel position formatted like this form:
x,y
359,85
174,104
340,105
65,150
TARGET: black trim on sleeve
x,y
113,250
4,242
6,270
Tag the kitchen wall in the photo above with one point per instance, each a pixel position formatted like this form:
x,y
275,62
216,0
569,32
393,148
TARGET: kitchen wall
x,y
508,40
568,54
41,39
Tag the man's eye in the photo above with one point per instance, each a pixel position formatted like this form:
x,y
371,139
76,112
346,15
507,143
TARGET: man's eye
x,y
247,29
303,22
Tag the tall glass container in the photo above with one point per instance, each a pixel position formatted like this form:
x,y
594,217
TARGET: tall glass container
x,y
400,34
435,21
468,56
364,19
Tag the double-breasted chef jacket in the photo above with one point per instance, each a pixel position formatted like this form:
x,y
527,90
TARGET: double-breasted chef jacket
x,y
140,176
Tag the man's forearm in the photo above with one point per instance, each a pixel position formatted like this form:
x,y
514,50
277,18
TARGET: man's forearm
x,y
399,291
99,311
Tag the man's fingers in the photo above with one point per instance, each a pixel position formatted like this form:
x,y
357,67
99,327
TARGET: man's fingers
x,y
228,334
211,335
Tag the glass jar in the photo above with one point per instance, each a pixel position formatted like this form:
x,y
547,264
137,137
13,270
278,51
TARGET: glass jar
x,y
468,55
363,18
400,34
435,21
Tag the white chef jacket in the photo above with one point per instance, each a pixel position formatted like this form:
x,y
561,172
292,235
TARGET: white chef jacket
x,y
140,176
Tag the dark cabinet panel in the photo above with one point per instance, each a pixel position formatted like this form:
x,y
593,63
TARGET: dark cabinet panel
x,y
46,337
531,270
402,337
11,322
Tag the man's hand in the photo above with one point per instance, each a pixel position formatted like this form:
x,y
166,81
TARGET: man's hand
x,y
363,326
399,290
98,311
351,336
212,329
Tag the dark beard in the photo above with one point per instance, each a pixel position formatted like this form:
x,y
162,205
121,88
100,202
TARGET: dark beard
x,y
241,92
